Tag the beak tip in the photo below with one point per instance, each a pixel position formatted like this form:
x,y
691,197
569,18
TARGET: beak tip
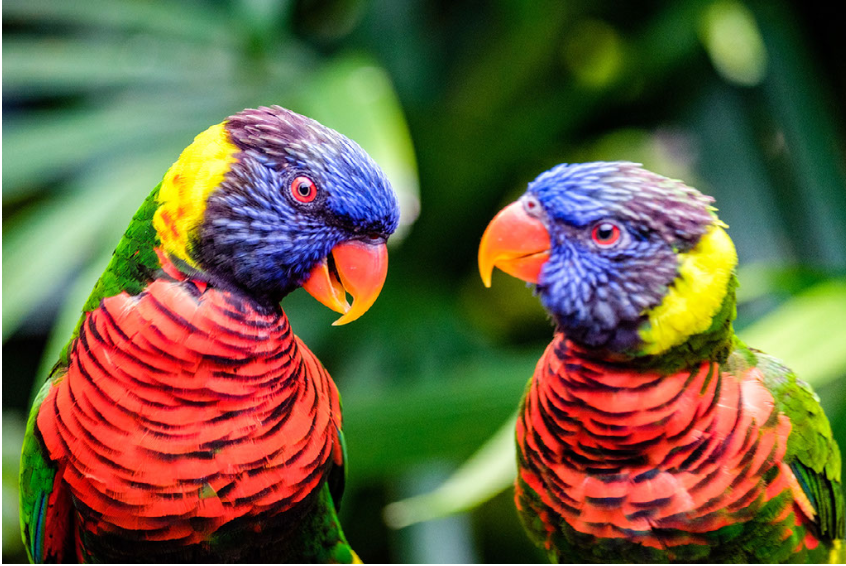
x,y
361,269
486,266
486,278
344,318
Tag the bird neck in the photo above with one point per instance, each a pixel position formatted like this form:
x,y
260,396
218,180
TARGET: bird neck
x,y
699,304
712,343
186,187
693,322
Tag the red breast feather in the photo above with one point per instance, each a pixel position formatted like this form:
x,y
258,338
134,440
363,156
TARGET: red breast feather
x,y
658,460
184,408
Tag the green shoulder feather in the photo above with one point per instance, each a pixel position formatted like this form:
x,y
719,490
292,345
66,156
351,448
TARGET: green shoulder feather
x,y
132,266
812,452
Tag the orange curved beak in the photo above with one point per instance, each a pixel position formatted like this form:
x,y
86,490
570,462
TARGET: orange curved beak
x,y
358,268
516,243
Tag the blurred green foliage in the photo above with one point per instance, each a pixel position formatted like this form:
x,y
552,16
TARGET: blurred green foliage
x,y
468,101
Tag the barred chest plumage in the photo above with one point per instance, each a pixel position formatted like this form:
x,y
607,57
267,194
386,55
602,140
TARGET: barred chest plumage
x,y
665,462
185,408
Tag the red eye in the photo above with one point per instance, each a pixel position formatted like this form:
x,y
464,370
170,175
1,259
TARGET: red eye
x,y
303,189
605,234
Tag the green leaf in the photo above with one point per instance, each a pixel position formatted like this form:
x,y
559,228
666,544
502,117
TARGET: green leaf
x,y
807,333
45,243
485,474
44,144
733,42
761,279
68,64
161,17
69,313
448,418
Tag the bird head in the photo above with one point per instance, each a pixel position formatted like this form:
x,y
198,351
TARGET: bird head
x,y
624,260
269,201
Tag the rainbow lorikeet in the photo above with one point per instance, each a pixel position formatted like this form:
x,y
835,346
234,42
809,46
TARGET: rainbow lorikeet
x,y
185,421
649,432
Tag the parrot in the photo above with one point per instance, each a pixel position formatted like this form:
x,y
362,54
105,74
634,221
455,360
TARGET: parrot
x,y
184,420
649,432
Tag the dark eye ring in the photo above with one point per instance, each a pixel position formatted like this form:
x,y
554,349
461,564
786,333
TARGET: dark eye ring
x,y
303,189
606,234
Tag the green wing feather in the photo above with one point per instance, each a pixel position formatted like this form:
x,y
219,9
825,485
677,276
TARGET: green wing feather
x,y
46,534
812,452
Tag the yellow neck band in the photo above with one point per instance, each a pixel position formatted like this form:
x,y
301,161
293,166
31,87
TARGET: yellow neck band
x,y
186,187
696,294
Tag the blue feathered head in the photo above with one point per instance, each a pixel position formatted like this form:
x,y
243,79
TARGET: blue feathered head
x,y
281,201
606,243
